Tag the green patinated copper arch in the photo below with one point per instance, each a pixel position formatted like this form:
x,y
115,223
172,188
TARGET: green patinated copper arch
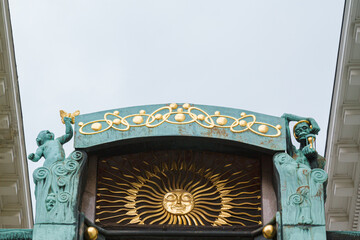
x,y
238,125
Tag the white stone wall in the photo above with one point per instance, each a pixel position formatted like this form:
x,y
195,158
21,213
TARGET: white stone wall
x,y
15,200
343,140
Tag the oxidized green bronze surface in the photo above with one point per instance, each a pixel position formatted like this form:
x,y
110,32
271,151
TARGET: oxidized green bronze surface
x,y
192,120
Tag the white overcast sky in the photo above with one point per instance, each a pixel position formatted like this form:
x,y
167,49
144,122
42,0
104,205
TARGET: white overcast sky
x,y
265,56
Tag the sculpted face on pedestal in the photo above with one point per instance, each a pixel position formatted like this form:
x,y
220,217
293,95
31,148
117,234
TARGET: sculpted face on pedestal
x,y
50,201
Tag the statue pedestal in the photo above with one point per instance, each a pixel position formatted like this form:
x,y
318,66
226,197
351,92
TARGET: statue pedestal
x,y
301,199
304,232
55,231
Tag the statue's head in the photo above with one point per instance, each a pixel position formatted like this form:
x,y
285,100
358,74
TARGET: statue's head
x,y
44,136
302,129
50,201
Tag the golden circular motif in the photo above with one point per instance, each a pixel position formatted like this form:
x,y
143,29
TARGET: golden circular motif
x,y
178,202
81,123
186,106
269,232
201,117
96,126
117,121
138,119
92,233
242,123
221,121
263,128
180,117
173,106
158,116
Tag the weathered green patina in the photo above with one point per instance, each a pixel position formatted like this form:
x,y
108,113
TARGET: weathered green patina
x,y
57,186
300,177
86,137
301,183
16,234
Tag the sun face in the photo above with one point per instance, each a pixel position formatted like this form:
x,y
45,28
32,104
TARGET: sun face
x,y
178,202
174,190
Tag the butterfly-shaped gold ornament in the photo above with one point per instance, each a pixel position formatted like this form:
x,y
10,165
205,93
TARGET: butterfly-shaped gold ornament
x,y
70,115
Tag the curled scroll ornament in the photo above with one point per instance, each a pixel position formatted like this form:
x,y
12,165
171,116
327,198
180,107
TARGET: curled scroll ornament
x,y
318,175
71,165
61,182
40,173
296,199
59,170
282,158
76,155
63,197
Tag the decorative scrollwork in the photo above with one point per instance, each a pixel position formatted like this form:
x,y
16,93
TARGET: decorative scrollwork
x,y
59,170
318,175
61,182
282,158
296,199
193,114
76,155
40,173
64,197
71,165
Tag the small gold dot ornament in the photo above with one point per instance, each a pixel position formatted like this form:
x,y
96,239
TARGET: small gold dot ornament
x,y
180,117
263,128
96,126
138,119
116,121
221,121
201,117
242,123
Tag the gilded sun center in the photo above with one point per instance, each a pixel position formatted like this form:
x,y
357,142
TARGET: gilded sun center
x,y
178,202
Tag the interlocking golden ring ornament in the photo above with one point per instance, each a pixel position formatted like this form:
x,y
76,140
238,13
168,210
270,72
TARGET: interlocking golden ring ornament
x,y
205,120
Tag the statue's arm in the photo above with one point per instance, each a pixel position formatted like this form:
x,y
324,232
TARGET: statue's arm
x,y
291,117
288,118
68,131
37,155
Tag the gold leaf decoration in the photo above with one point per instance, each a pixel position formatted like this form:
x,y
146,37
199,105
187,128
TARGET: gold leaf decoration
x,y
171,115
179,188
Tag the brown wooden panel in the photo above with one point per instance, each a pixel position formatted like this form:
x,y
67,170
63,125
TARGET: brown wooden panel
x,y
179,188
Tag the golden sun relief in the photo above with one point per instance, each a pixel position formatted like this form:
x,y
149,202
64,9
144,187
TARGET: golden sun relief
x,y
191,188
178,202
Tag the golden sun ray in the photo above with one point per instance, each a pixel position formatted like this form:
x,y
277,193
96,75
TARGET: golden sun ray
x,y
159,219
172,189
114,211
